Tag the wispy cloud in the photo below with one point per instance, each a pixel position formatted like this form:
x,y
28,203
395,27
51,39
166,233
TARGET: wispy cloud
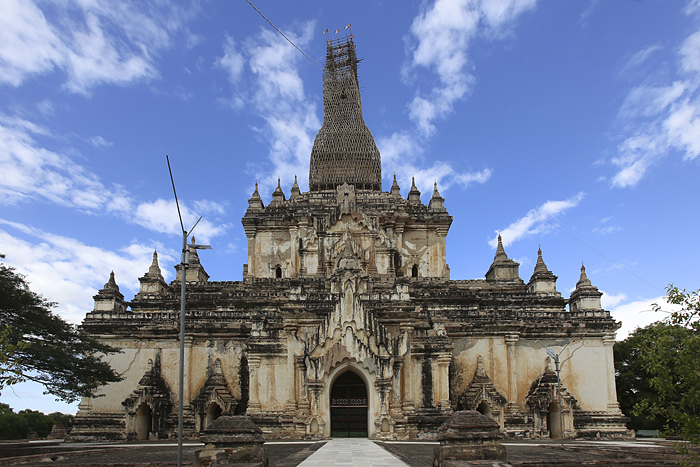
x,y
439,43
68,271
100,142
31,173
659,119
92,43
536,221
402,154
275,93
605,227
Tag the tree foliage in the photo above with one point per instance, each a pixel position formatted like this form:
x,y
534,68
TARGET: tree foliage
x,y
38,345
658,371
19,425
634,381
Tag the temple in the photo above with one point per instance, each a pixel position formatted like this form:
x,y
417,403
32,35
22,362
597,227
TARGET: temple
x,y
346,321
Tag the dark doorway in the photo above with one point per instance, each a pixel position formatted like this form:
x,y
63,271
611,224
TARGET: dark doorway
x,y
144,419
349,406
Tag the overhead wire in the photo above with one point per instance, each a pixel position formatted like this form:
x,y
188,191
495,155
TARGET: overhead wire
x,y
282,34
544,219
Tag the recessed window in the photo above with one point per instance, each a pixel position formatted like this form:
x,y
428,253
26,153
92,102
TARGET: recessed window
x,y
414,271
278,272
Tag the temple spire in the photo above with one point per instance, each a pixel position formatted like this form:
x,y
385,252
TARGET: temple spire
x,y
500,251
296,192
542,280
395,189
503,268
413,194
583,281
344,150
255,202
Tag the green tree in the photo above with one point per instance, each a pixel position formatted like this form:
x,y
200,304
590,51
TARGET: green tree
x,y
671,359
12,425
37,421
62,418
38,345
632,379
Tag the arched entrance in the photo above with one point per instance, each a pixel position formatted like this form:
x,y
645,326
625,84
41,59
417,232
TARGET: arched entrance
x,y
349,406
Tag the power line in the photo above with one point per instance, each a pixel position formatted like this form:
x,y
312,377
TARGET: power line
x,y
288,39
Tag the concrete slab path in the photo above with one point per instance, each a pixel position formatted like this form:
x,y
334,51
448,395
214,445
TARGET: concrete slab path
x,y
359,452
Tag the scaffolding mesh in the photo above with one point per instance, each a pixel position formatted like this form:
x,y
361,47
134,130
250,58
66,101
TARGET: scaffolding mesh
x,y
344,149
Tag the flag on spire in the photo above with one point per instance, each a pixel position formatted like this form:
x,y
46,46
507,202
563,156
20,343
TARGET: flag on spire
x,y
347,26
337,31
325,32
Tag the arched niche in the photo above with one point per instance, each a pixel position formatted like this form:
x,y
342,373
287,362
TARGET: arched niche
x,y
143,422
213,412
484,409
554,420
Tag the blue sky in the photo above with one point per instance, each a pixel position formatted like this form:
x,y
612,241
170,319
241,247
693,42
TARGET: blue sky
x,y
570,125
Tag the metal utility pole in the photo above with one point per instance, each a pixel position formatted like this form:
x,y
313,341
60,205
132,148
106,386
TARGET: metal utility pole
x,y
557,368
555,356
185,260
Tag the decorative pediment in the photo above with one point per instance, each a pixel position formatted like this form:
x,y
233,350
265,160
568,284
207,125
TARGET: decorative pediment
x,y
152,389
543,392
215,390
481,389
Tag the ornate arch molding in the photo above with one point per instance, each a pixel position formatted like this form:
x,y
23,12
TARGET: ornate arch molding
x,y
543,392
481,389
154,391
215,390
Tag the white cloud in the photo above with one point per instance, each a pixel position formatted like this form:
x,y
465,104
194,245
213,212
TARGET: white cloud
x,y
683,127
439,43
93,43
608,301
277,96
69,272
639,314
650,100
605,228
690,53
232,61
639,58
29,172
536,221
660,119
401,155
161,216
100,142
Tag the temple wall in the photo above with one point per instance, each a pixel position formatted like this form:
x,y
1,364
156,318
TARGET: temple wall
x,y
584,373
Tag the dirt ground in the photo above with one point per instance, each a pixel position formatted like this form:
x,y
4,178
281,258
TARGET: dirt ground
x,y
290,454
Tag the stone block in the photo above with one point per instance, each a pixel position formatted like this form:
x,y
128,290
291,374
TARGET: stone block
x,y
468,436
232,441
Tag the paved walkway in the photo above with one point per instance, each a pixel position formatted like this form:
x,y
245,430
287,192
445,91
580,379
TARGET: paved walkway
x,y
359,452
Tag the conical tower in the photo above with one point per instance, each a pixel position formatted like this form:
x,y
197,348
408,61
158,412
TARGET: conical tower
x,y
344,149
